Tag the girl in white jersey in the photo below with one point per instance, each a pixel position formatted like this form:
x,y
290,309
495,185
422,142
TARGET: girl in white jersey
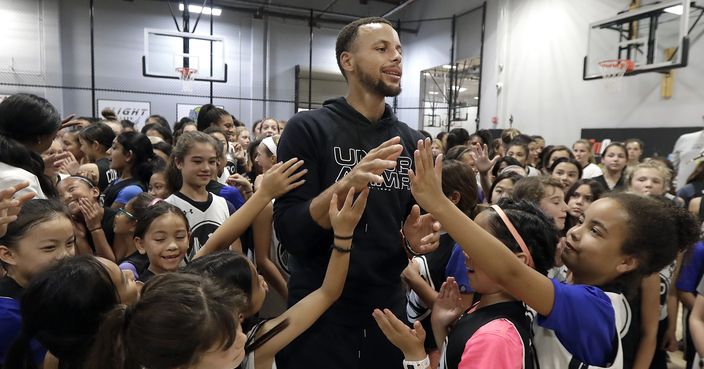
x,y
193,163
268,337
619,239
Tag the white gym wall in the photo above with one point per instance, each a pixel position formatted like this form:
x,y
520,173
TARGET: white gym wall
x,y
30,30
540,43
542,79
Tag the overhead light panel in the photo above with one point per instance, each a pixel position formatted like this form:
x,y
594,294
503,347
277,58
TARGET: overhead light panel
x,y
201,9
676,10
433,92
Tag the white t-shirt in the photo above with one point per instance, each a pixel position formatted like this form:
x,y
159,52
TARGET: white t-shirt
x,y
591,170
687,147
203,217
10,176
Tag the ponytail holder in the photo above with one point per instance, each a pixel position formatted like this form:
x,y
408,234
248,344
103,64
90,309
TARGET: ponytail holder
x,y
269,143
154,202
515,234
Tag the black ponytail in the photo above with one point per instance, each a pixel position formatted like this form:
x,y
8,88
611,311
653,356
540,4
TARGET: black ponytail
x,y
62,309
208,115
107,351
142,154
657,230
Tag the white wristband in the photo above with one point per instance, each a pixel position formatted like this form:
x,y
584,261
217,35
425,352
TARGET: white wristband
x,y
421,364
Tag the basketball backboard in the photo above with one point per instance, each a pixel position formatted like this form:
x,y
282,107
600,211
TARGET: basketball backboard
x,y
165,51
653,36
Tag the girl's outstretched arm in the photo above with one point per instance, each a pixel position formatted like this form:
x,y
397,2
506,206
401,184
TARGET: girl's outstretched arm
x,y
281,178
304,313
261,233
498,262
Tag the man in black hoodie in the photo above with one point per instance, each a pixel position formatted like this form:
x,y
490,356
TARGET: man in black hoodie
x,y
353,141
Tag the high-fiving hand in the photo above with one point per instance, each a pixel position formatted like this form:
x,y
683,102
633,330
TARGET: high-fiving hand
x,y
370,168
9,206
345,219
409,340
282,177
426,179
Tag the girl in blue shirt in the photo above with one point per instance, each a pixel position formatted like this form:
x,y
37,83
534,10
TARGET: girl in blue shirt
x,y
618,240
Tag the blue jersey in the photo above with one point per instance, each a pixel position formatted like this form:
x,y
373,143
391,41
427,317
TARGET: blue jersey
x,y
585,327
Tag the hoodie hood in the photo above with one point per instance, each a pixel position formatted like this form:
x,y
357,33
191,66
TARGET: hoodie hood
x,y
341,107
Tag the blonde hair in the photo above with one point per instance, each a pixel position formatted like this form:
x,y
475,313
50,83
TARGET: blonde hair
x,y
239,130
439,144
664,171
589,148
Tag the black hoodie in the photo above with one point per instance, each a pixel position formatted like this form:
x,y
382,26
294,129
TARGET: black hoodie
x,y
332,140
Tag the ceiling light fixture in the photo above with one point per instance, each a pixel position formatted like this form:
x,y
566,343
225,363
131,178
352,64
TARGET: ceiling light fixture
x,y
676,10
199,9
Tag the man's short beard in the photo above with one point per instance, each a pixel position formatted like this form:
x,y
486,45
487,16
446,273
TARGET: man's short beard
x,y
379,86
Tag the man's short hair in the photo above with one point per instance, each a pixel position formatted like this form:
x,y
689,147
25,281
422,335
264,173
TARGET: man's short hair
x,y
349,33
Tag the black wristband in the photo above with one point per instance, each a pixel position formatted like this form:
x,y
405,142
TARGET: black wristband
x,y
95,229
409,249
342,249
344,238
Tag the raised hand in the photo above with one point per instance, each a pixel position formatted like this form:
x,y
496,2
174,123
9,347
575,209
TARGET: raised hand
x,y
241,183
481,159
92,213
421,231
238,152
68,121
90,171
345,219
448,306
411,271
370,168
9,206
410,341
69,165
53,161
426,179
282,177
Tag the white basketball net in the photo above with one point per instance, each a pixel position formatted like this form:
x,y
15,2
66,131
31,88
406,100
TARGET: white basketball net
x,y
186,75
612,72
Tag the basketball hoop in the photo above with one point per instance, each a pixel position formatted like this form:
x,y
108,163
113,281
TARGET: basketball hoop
x,y
186,75
612,71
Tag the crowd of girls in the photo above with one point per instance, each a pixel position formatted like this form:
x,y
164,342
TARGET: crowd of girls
x,y
156,249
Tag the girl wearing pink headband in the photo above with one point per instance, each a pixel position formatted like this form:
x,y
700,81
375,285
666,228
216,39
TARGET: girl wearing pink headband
x,y
620,239
495,332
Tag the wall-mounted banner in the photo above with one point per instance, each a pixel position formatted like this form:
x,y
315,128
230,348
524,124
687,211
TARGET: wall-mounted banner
x,y
189,111
134,111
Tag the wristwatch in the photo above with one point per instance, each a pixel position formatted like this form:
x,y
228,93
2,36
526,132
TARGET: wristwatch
x,y
421,364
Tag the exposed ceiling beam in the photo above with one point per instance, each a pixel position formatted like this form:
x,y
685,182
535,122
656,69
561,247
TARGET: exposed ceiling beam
x,y
398,8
